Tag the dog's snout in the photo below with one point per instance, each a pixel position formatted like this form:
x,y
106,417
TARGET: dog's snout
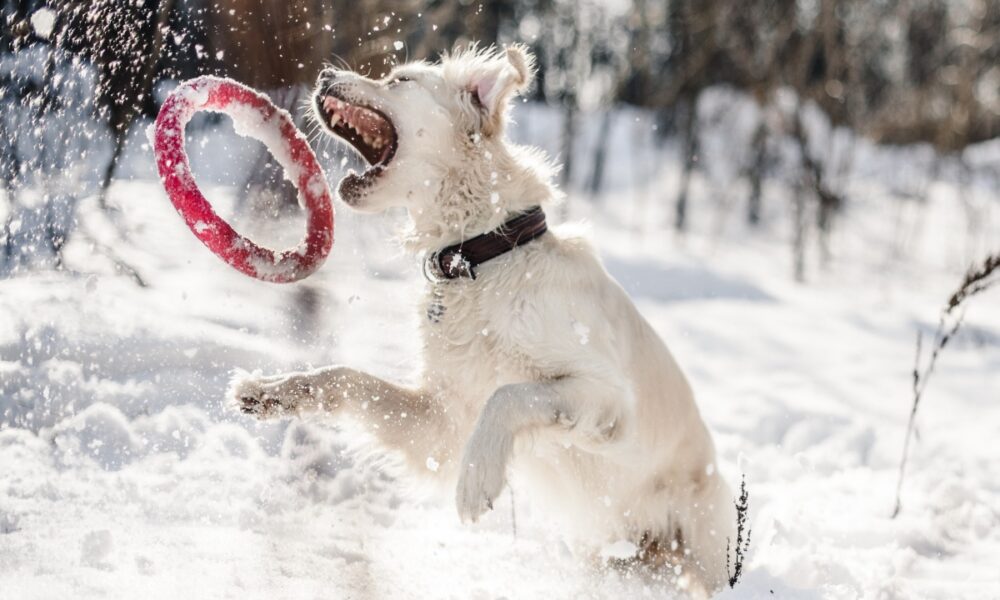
x,y
327,77
338,83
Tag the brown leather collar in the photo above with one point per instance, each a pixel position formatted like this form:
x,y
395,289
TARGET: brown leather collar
x,y
461,259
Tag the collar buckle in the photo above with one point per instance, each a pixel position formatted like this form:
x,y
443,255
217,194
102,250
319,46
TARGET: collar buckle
x,y
432,268
457,266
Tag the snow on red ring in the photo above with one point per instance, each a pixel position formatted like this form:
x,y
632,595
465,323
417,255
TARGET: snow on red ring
x,y
254,116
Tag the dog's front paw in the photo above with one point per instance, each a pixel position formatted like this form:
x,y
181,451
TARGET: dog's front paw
x,y
482,478
270,397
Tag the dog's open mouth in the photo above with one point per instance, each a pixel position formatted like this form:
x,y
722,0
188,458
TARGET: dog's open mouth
x,y
369,131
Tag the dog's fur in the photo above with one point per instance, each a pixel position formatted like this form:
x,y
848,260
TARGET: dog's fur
x,y
541,367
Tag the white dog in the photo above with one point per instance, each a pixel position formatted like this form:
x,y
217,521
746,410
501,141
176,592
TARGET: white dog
x,y
536,363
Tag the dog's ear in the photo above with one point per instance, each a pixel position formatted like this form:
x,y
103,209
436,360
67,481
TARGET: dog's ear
x,y
496,81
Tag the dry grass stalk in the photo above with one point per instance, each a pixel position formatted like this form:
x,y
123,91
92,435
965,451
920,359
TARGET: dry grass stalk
x,y
977,280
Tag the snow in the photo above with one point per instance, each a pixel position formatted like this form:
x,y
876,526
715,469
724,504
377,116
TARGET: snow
x,y
124,476
42,21
622,550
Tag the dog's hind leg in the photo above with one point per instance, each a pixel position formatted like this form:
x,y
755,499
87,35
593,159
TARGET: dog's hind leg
x,y
589,411
408,420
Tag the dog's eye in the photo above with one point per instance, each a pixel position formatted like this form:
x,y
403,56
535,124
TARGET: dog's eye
x,y
398,80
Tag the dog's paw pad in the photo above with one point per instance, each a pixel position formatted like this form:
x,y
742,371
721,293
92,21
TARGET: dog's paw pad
x,y
251,394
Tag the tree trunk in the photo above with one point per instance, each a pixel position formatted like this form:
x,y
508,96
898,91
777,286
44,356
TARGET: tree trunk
x,y
828,201
799,235
568,140
122,119
757,165
600,153
690,157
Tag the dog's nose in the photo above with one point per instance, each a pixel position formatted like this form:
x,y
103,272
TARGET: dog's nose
x,y
327,78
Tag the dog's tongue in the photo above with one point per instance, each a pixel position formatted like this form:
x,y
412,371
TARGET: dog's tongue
x,y
373,123
385,152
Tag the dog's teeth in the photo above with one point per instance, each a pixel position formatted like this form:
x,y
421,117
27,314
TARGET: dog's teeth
x,y
367,138
332,104
334,120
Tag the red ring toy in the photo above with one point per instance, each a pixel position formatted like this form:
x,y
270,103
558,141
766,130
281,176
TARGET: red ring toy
x,y
254,116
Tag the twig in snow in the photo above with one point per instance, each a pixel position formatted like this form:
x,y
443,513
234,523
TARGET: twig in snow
x,y
976,280
742,544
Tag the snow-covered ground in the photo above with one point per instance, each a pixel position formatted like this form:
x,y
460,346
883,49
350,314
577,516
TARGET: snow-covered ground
x,y
123,476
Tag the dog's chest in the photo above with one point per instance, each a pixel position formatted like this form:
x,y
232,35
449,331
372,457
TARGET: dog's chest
x,y
466,337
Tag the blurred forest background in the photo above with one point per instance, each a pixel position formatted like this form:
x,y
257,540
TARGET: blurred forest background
x,y
813,77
